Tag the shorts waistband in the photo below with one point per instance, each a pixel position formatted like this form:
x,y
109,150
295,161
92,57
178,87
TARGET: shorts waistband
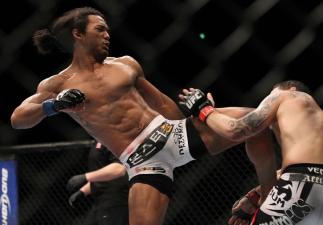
x,y
305,168
141,137
307,172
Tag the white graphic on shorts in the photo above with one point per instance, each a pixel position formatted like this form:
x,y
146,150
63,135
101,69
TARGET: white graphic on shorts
x,y
284,205
179,138
281,197
293,215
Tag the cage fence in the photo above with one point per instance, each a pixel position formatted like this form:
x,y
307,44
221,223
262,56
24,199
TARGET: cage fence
x,y
204,189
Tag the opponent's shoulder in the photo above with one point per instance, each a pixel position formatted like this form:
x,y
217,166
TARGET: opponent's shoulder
x,y
292,98
297,96
281,95
302,98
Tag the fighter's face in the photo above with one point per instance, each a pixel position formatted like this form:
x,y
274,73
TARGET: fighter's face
x,y
96,37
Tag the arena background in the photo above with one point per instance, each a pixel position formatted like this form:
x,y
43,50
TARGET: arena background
x,y
236,49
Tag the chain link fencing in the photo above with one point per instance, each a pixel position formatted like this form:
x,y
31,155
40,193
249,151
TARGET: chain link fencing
x,y
203,194
235,49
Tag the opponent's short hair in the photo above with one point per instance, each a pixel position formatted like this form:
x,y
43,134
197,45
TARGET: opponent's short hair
x,y
59,36
300,86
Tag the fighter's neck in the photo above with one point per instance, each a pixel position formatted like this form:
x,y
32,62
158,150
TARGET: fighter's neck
x,y
84,61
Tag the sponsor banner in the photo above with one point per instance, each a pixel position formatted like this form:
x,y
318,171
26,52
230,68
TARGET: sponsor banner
x,y
9,196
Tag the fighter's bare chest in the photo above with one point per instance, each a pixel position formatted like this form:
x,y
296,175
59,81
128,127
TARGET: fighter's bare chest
x,y
102,86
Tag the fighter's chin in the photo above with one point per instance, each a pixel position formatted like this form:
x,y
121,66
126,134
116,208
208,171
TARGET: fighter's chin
x,y
101,57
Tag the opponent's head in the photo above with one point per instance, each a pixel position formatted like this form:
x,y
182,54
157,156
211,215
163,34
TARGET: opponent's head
x,y
84,26
292,85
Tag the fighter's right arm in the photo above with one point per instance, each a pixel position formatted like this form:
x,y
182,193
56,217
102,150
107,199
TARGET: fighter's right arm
x,y
30,112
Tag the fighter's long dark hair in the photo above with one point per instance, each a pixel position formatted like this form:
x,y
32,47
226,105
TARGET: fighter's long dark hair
x,y
59,36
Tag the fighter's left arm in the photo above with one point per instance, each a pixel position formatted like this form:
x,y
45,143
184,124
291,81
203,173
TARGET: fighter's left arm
x,y
249,125
157,100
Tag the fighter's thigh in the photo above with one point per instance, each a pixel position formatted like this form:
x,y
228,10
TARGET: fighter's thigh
x,y
147,206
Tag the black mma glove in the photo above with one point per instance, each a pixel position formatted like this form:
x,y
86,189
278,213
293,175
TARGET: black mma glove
x,y
198,104
65,99
76,182
245,207
76,197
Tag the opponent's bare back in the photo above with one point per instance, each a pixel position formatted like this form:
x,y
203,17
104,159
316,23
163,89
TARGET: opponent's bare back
x,y
299,128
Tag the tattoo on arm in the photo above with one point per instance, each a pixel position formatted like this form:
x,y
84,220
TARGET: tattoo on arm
x,y
251,123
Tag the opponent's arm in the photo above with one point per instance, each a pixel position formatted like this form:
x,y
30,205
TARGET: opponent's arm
x,y
248,125
261,152
232,128
244,208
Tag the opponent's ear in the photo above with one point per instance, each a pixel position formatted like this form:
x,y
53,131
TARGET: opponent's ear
x,y
76,33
